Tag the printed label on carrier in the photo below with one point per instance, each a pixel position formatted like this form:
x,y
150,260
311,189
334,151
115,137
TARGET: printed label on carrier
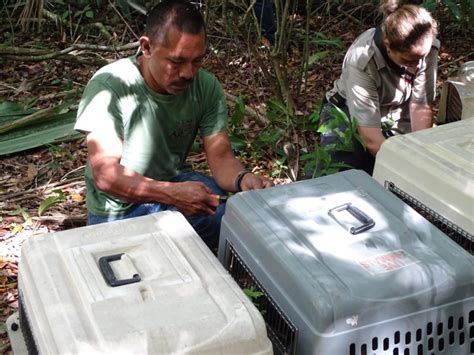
x,y
388,262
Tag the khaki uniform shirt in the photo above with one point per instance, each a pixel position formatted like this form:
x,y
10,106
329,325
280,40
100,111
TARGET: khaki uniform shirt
x,y
374,90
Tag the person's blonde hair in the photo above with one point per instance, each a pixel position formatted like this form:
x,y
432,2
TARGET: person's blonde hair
x,y
405,25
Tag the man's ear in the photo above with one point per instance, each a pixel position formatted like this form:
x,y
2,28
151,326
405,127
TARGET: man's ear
x,y
145,46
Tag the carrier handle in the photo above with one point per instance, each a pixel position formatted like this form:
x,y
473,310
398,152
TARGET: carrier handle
x,y
108,273
366,221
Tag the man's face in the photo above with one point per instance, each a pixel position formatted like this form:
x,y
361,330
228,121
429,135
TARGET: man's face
x,y
172,64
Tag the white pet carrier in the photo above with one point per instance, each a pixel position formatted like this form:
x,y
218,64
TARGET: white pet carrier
x,y
433,171
146,285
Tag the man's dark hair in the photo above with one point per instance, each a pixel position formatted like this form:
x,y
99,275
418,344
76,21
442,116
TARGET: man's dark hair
x,y
180,14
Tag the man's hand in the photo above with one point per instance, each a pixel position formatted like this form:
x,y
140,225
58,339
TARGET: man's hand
x,y
225,167
254,182
193,198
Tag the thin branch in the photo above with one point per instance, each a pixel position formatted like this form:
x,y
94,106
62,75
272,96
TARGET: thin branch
x,y
456,60
348,15
8,86
22,195
32,55
103,31
67,58
66,93
124,21
63,220
4,50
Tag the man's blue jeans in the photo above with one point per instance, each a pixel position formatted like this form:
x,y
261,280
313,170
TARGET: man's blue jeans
x,y
208,227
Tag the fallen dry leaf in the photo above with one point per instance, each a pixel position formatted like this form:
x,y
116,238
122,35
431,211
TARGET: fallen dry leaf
x,y
18,228
32,171
76,197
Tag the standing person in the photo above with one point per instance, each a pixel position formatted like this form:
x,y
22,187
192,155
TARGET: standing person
x,y
265,14
388,72
141,116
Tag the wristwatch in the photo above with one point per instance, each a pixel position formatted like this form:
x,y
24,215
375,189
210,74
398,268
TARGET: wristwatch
x,y
238,180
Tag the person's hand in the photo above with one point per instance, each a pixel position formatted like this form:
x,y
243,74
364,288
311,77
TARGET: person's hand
x,y
194,198
254,182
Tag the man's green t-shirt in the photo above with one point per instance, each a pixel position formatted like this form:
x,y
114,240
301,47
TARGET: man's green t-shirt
x,y
157,130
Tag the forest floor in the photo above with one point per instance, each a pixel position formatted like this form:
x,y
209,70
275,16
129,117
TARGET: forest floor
x,y
28,178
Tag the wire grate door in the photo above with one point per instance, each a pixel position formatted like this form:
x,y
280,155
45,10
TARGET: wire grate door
x,y
281,331
459,235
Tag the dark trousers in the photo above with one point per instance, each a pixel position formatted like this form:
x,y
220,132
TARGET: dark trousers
x,y
359,158
266,17
208,227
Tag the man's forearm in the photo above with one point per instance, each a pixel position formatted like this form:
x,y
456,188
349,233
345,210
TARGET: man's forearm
x,y
226,171
123,183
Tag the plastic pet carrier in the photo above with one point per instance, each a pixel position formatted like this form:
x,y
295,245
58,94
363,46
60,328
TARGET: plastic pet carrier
x,y
142,285
339,265
457,97
433,171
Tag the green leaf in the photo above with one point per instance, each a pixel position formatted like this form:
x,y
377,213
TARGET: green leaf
x,y
8,108
322,40
429,5
65,15
316,57
268,137
196,147
313,118
237,142
252,293
454,8
51,201
355,133
89,14
123,5
278,112
239,111
54,129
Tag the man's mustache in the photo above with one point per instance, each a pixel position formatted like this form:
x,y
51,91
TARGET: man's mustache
x,y
182,82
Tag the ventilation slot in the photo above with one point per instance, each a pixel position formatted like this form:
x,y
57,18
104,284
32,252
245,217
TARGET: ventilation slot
x,y
26,329
281,331
437,338
459,235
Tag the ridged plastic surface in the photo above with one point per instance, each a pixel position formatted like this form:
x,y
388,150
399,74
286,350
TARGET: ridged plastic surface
x,y
436,167
185,302
344,290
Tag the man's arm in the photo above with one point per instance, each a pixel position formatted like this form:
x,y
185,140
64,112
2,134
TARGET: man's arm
x,y
372,137
421,116
105,151
226,167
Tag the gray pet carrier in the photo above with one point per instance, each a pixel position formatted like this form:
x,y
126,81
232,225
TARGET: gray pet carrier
x,y
339,265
